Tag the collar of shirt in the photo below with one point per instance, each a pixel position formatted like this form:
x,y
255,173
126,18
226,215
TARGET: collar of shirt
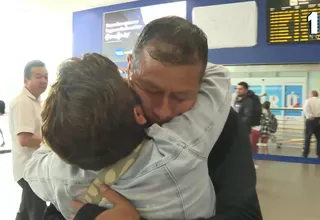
x,y
28,93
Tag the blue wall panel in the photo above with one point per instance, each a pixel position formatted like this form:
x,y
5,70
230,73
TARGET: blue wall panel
x,y
87,25
262,53
87,37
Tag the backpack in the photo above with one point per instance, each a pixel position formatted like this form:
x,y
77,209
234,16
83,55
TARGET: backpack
x,y
256,110
273,123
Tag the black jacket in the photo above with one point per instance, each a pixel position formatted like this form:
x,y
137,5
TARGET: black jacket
x,y
244,108
232,173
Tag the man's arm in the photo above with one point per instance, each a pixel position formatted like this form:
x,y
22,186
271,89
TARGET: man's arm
x,y
25,125
36,173
233,175
29,140
209,114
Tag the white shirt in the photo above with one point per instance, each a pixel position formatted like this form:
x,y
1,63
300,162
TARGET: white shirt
x,y
311,108
24,116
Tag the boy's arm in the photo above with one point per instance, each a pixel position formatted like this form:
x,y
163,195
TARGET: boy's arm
x,y
36,173
205,120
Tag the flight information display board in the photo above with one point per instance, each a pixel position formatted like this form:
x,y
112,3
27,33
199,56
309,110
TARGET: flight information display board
x,y
290,21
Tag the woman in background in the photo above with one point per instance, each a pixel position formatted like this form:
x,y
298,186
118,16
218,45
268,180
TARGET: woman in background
x,y
265,127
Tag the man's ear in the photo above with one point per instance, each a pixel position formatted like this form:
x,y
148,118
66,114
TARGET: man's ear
x,y
129,59
139,115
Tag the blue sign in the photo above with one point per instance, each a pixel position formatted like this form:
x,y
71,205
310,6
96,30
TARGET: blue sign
x,y
233,88
119,52
256,89
275,97
293,97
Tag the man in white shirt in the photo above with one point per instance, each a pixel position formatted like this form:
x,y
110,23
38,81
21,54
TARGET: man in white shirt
x,y
25,128
311,110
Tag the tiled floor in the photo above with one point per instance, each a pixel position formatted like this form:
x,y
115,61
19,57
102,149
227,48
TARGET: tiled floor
x,y
286,191
290,151
289,191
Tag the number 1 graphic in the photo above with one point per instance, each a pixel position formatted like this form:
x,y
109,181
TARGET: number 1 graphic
x,y
314,21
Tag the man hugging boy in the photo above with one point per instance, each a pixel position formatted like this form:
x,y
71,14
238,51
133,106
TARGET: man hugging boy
x,y
95,132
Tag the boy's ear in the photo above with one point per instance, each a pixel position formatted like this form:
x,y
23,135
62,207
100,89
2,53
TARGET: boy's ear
x,y
139,115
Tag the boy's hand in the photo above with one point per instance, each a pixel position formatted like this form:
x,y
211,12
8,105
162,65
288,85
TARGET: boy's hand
x,y
122,208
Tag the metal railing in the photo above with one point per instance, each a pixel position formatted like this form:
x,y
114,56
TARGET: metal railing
x,y
291,129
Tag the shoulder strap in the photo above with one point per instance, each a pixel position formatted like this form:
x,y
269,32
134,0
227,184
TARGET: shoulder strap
x,y
109,176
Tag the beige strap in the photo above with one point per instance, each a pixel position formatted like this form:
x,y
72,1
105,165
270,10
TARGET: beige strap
x,y
109,176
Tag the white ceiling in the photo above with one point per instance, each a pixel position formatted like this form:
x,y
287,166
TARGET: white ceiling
x,y
61,6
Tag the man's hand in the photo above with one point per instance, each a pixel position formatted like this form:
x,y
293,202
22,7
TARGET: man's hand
x,y
122,208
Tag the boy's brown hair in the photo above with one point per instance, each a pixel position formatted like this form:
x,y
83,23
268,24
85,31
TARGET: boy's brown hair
x,y
88,117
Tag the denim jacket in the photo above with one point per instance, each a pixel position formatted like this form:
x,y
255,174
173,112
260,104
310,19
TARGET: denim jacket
x,y
169,179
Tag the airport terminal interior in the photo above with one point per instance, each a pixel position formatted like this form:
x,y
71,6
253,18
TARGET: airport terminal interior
x,y
271,45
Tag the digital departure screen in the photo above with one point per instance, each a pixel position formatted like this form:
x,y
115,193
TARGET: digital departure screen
x,y
290,21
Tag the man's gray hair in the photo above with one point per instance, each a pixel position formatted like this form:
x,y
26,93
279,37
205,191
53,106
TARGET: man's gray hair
x,y
172,40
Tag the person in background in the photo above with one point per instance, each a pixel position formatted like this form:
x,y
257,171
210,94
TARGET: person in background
x,y
25,128
2,111
265,127
245,104
248,106
254,139
311,111
255,134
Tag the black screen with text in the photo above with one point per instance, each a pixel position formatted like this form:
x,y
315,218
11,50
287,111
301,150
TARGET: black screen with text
x,y
293,21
